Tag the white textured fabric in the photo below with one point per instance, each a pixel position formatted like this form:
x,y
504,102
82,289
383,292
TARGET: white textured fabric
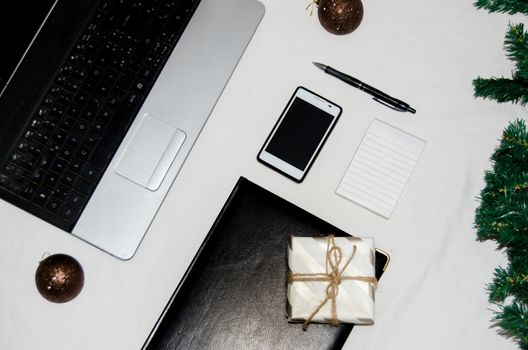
x,y
433,294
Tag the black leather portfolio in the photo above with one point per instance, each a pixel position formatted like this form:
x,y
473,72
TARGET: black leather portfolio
x,y
233,295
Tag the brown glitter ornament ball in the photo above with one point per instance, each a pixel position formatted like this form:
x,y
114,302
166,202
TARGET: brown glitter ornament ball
x,y
59,278
340,16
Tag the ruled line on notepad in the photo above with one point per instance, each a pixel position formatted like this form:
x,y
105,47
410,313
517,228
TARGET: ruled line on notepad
x,y
379,176
381,168
375,206
389,152
352,188
403,151
372,163
363,176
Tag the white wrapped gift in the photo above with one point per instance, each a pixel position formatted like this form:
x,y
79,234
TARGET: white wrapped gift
x,y
331,280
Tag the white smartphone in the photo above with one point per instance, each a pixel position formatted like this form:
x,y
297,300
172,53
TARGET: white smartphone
x,y
299,134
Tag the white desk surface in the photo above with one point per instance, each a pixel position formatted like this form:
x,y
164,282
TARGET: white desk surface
x,y
432,296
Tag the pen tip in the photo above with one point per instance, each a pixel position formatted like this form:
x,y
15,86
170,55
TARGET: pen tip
x,y
320,65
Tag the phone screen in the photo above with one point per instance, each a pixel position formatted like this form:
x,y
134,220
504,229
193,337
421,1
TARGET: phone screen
x,y
299,133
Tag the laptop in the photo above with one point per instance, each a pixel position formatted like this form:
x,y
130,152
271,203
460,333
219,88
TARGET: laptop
x,y
102,101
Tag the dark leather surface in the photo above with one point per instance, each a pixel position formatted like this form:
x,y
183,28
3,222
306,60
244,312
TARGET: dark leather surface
x,y
234,293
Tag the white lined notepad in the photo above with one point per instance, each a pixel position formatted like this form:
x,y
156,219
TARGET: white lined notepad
x,y
381,168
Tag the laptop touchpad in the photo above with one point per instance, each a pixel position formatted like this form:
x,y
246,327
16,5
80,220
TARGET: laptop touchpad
x,y
150,152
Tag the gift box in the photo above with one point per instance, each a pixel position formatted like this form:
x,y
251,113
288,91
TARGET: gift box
x,y
331,280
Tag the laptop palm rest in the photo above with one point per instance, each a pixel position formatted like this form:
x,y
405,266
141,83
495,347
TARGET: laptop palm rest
x,y
124,204
150,152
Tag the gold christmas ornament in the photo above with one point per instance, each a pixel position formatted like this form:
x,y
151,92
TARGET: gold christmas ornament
x,y
59,278
340,16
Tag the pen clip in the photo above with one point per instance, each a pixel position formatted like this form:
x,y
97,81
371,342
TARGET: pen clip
x,y
388,105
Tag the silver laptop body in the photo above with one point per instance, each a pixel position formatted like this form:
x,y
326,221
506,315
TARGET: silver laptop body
x,y
149,158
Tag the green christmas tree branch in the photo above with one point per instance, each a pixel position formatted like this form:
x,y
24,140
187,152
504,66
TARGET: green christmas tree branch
x,y
516,43
502,89
506,6
509,282
513,323
502,216
513,89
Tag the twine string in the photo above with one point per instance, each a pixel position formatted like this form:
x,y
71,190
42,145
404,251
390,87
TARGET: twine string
x,y
334,275
311,6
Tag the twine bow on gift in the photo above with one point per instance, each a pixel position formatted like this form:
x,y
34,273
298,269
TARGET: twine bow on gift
x,y
334,275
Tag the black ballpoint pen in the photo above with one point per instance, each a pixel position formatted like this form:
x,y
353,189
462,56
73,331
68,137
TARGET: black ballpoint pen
x,y
378,95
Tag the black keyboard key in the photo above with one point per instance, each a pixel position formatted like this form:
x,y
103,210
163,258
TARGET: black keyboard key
x,y
52,179
103,88
89,84
74,111
91,173
42,196
22,146
76,165
79,74
61,192
29,190
96,102
91,140
50,124
99,126
68,213
61,79
38,175
67,124
34,150
76,200
59,136
36,123
53,149
74,141
59,166
106,115
133,100
72,85
82,127
45,162
68,179
65,98
54,91
89,113
48,101
139,87
42,112
110,75
58,110
83,153
160,48
66,153
41,137
54,205
81,98
83,186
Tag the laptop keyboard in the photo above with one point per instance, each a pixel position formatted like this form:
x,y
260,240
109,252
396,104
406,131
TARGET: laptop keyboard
x,y
67,144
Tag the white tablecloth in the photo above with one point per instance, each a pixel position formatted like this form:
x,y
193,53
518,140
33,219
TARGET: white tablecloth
x,y
433,294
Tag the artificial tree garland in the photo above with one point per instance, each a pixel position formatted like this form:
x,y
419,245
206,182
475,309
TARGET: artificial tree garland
x,y
514,89
503,212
